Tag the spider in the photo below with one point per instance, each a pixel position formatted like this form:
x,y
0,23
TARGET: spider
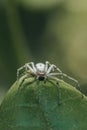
x,y
42,72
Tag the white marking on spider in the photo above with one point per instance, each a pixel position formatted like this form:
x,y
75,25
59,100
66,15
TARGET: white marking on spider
x,y
42,72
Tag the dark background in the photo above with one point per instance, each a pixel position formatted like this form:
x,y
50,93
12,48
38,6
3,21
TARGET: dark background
x,y
40,30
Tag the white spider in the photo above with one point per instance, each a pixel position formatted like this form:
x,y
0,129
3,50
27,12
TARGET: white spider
x,y
42,72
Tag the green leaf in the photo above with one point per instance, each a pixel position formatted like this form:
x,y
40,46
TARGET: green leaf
x,y
35,107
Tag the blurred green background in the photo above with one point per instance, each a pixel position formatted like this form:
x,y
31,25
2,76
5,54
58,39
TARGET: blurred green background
x,y
40,30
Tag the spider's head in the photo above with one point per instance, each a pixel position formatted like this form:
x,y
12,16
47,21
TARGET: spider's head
x,y
40,68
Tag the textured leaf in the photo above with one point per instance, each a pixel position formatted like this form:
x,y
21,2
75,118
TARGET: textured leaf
x,y
35,107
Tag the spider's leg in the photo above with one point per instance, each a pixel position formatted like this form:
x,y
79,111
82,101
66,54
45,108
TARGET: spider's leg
x,y
60,72
54,74
22,82
19,70
58,88
52,67
46,65
24,68
28,67
75,81
33,67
